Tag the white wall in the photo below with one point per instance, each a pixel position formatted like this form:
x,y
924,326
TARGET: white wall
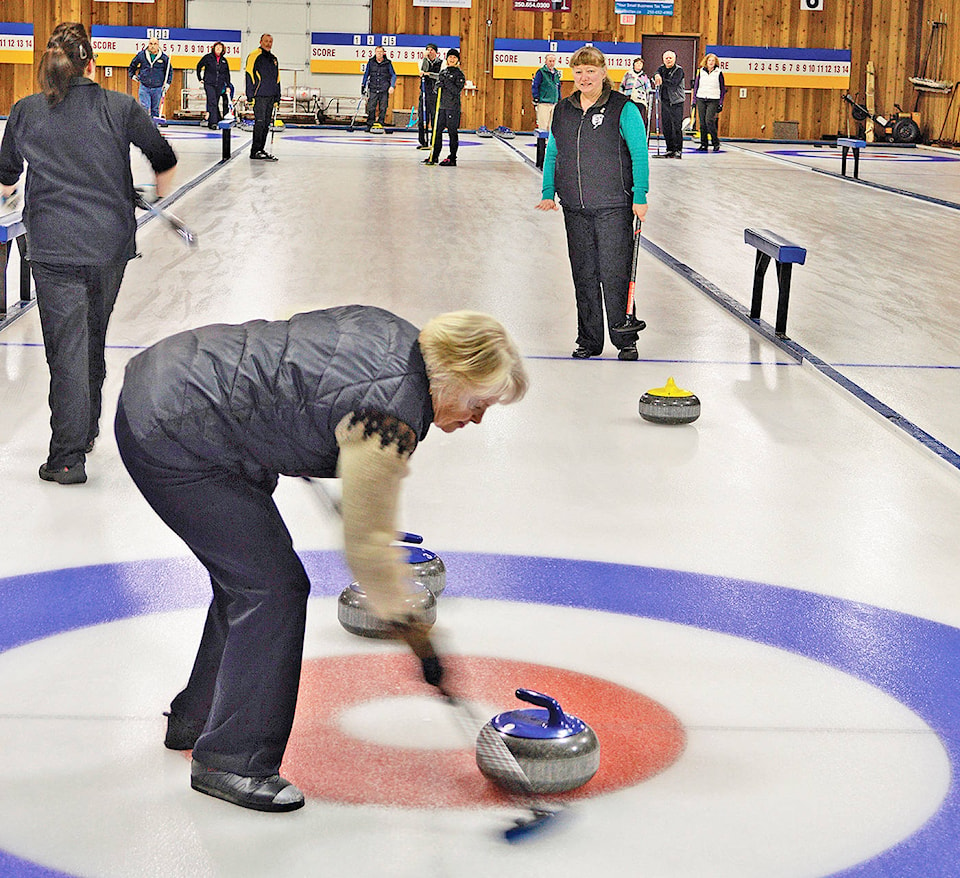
x,y
291,22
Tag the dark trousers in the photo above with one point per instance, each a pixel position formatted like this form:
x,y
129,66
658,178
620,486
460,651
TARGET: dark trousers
x,y
262,117
671,116
75,303
213,105
247,671
600,244
377,102
707,110
428,109
449,119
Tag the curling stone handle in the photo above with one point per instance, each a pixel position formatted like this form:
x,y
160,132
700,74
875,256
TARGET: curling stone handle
x,y
557,718
404,537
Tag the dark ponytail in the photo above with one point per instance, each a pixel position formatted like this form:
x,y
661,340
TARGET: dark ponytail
x,y
68,52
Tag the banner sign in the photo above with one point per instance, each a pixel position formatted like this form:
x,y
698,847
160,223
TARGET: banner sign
x,y
16,42
644,7
521,59
349,53
117,46
784,68
542,5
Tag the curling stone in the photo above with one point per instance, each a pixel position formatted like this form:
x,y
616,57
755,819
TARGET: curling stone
x,y
357,616
427,569
669,405
557,751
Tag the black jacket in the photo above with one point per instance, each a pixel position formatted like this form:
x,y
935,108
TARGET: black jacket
x,y
379,75
263,398
594,169
672,89
262,74
214,72
78,200
451,83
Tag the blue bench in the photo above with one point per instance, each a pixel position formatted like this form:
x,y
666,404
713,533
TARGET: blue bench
x,y
846,144
786,254
225,130
13,229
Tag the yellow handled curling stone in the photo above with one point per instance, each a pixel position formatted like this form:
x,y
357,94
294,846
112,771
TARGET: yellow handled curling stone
x,y
669,405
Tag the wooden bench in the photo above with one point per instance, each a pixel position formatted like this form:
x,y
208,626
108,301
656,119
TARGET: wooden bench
x,y
786,254
846,144
13,229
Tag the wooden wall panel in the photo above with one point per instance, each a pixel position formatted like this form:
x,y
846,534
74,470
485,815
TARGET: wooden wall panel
x,y
19,80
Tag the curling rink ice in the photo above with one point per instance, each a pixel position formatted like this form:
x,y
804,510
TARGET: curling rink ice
x,y
758,612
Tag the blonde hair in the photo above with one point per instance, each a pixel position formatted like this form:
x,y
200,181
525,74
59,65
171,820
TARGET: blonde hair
x,y
470,354
716,60
591,56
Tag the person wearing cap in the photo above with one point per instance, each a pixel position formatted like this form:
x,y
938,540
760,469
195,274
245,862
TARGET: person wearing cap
x,y
450,84
429,75
207,421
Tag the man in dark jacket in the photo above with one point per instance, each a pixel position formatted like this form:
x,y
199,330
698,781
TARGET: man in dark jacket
x,y
545,89
450,84
151,68
381,79
669,78
263,89
429,74
214,72
206,421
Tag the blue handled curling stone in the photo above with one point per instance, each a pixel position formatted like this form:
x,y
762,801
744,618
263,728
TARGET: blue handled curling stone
x,y
427,569
669,405
557,751
357,616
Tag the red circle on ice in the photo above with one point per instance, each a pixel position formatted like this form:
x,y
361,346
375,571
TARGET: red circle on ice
x,y
638,737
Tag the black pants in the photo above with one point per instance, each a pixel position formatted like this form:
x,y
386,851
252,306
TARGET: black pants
x,y
246,674
707,110
75,304
449,119
672,118
427,110
262,116
213,105
600,244
377,103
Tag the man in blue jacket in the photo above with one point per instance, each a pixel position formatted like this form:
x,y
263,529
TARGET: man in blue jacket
x,y
380,77
151,68
263,88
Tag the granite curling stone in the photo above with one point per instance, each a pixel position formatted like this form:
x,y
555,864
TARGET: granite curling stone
x,y
357,616
669,405
427,569
557,751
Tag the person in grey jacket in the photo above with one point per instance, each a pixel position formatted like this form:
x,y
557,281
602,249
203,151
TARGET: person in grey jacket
x,y
151,68
75,139
206,422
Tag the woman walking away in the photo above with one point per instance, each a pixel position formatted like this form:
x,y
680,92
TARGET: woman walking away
x,y
78,209
709,89
596,161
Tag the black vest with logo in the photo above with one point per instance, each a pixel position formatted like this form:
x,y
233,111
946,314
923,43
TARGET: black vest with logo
x,y
594,169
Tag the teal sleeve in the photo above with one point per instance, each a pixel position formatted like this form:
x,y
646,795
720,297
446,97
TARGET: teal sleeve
x,y
635,134
549,166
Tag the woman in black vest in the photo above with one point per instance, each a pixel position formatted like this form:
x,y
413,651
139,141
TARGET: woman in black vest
x,y
596,162
207,421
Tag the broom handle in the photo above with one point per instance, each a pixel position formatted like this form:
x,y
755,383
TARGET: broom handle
x,y
631,290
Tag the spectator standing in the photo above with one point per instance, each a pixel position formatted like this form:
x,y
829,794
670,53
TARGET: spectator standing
x,y
381,79
670,80
429,76
636,86
78,209
596,162
151,69
214,72
450,84
546,92
709,89
262,76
